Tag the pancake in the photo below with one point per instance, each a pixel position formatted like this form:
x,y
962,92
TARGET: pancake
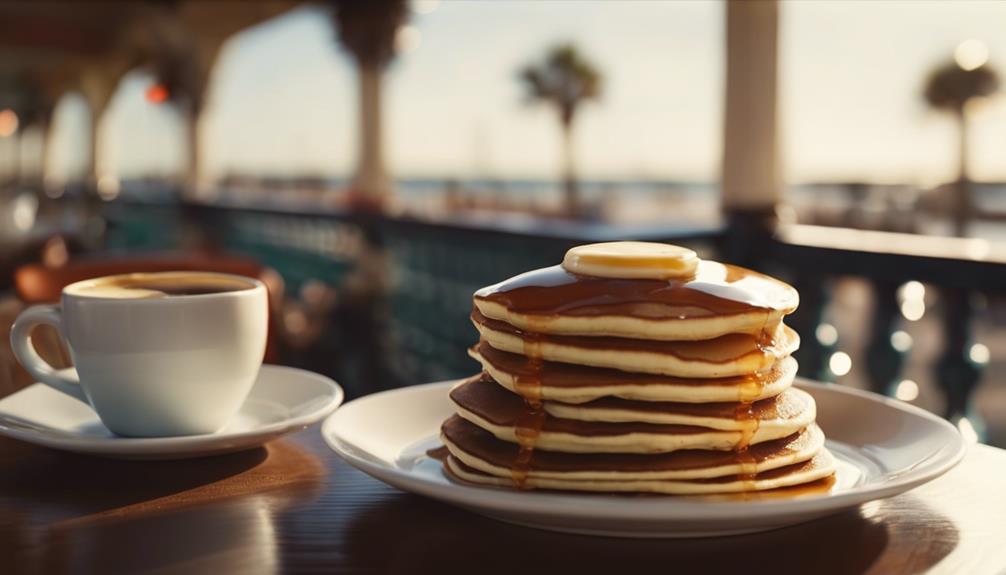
x,y
637,368
819,467
482,451
816,488
504,414
719,299
729,355
578,384
778,411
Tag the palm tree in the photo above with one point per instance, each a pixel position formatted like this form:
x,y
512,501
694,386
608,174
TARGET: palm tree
x,y
564,79
949,88
367,30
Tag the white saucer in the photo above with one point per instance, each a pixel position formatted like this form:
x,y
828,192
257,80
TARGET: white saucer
x,y
282,401
883,447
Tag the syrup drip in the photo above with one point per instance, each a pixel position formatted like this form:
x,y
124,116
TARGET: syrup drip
x,y
528,426
746,416
527,429
749,392
812,489
438,453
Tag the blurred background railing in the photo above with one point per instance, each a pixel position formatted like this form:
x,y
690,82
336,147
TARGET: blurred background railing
x,y
377,301
845,158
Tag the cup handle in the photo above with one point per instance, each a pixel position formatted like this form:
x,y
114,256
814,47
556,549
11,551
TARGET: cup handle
x,y
20,341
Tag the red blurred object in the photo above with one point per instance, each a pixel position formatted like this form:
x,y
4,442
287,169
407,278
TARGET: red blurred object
x,y
157,93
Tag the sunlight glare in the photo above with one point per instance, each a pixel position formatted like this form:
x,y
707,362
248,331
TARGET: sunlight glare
x,y
971,54
967,430
408,39
425,6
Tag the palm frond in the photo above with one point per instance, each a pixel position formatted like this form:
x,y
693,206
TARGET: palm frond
x,y
367,28
950,87
563,78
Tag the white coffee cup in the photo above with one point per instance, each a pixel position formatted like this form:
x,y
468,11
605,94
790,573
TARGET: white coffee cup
x,y
151,363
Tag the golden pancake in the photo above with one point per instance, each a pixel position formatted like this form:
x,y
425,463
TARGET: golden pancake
x,y
819,467
578,384
726,356
719,299
482,451
484,403
777,411
636,367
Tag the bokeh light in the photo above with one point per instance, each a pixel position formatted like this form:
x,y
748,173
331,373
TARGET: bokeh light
x,y
912,290
913,300
157,94
408,39
907,390
295,321
971,54
8,123
108,188
840,363
913,309
979,353
901,341
826,334
23,211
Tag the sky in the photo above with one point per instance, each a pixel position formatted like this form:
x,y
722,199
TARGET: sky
x,y
283,95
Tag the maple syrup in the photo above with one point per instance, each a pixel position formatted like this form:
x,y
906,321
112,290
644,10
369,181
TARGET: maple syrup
x,y
748,392
528,425
715,289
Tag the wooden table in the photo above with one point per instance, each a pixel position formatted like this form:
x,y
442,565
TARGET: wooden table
x,y
295,507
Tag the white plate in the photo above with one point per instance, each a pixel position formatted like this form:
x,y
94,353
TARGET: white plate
x,y
283,400
883,447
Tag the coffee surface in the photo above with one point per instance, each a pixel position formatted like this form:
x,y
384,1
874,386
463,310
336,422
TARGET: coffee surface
x,y
159,285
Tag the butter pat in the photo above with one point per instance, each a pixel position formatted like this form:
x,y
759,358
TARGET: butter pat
x,y
632,260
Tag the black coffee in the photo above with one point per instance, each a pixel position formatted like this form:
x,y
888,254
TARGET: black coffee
x,y
163,284
182,288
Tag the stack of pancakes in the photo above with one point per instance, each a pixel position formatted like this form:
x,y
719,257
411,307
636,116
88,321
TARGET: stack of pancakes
x,y
637,379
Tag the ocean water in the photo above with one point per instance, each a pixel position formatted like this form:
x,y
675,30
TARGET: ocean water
x,y
894,207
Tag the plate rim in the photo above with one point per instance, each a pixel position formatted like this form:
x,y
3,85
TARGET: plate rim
x,y
585,506
185,443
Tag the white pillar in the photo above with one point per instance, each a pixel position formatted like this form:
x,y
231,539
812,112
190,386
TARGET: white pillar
x,y
751,166
371,176
206,54
194,186
98,82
